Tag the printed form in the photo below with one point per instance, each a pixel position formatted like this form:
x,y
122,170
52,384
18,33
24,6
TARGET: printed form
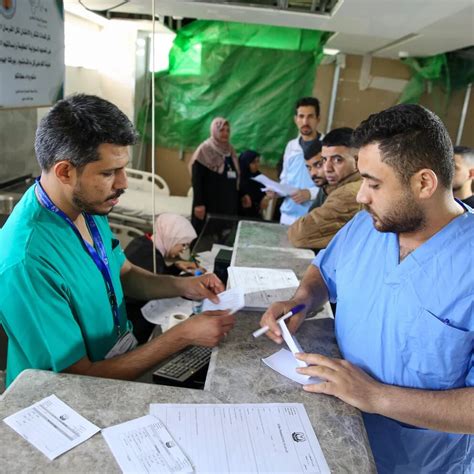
x,y
145,445
51,426
263,286
251,438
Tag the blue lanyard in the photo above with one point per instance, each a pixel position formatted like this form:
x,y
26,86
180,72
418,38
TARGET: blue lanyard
x,y
99,256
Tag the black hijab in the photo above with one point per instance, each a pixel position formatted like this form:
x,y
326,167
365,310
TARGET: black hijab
x,y
245,159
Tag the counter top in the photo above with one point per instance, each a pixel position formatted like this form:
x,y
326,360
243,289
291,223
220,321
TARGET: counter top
x,y
237,374
103,402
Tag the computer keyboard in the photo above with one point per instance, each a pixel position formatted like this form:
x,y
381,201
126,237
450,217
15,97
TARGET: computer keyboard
x,y
184,364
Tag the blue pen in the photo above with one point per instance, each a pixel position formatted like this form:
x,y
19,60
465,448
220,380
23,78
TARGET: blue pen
x,y
295,310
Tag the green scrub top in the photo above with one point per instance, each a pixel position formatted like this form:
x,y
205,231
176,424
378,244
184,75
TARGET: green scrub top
x,y
54,305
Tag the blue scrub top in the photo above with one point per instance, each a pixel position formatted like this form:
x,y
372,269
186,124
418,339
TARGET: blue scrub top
x,y
408,323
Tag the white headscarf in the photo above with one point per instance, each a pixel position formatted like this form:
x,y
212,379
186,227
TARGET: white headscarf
x,y
170,230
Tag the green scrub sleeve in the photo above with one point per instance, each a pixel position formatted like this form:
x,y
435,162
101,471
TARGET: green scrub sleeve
x,y
46,335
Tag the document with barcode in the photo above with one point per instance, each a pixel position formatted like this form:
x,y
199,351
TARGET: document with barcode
x,y
51,426
250,438
145,445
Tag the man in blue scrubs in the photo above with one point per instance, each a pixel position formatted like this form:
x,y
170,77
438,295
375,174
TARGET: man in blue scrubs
x,y
401,274
63,275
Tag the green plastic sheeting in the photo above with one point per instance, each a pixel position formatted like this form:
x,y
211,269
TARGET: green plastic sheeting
x,y
440,75
250,74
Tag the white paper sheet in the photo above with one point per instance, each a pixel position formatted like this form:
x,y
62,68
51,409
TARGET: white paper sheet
x,y
291,342
282,189
51,426
263,286
145,445
285,364
229,299
159,311
256,279
250,438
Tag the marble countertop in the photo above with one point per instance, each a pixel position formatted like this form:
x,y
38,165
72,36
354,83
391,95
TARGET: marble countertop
x,y
103,402
266,245
237,374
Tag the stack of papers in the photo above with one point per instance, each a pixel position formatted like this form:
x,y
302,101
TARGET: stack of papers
x,y
186,438
262,286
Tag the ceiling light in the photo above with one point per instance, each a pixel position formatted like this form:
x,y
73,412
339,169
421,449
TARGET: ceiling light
x,y
331,51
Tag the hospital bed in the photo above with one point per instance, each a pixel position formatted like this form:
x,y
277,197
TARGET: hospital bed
x,y
135,207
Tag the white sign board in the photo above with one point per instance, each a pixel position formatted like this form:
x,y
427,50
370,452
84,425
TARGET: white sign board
x,y
31,52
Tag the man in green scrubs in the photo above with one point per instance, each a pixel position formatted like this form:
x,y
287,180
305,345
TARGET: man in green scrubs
x,y
63,275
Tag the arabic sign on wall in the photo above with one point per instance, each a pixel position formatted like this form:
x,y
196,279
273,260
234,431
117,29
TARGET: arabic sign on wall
x,y
31,52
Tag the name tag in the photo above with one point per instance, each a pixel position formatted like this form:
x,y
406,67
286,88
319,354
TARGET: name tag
x,y
125,343
231,175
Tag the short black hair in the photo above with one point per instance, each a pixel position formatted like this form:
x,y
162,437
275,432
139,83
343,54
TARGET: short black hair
x,y
75,127
313,149
410,138
466,152
339,137
308,102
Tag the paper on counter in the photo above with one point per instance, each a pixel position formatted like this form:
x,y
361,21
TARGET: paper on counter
x,y
263,286
284,363
51,426
230,299
145,445
250,438
251,279
281,188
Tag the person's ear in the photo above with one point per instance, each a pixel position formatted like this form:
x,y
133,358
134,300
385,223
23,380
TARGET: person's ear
x,y
471,173
65,172
424,183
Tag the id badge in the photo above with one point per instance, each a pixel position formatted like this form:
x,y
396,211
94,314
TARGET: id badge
x,y
231,174
125,343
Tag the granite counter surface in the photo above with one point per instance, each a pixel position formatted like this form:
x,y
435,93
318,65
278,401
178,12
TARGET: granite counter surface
x,y
103,402
237,375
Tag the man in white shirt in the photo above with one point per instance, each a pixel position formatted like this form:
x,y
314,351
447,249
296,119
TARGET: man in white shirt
x,y
294,171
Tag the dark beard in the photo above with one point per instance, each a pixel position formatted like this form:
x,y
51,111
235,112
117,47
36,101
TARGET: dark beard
x,y
404,218
89,208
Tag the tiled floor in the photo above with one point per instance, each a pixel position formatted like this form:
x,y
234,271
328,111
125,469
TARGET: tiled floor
x,y
2,381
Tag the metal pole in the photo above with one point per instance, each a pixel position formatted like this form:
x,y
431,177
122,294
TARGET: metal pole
x,y
463,113
153,132
332,103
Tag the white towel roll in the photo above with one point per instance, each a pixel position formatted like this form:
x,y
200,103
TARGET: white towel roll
x,y
175,319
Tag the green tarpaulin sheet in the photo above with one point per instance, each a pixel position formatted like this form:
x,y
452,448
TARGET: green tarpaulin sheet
x,y
250,74
440,74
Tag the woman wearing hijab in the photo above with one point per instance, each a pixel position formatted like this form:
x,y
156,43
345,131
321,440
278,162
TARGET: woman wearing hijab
x,y
215,175
173,235
252,201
